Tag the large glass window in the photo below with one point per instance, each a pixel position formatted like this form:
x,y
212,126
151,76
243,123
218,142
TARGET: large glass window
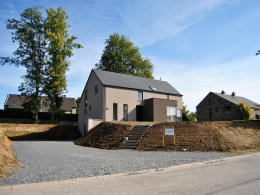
x,y
179,115
140,96
115,112
171,113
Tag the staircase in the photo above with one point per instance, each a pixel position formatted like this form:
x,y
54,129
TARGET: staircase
x,y
134,136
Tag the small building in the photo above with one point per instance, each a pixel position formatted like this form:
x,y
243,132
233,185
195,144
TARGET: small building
x,y
109,96
223,107
14,102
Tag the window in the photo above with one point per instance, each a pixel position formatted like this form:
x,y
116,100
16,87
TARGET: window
x,y
210,114
179,115
115,112
227,108
96,89
140,96
209,101
86,107
153,88
171,113
217,109
86,102
89,108
125,112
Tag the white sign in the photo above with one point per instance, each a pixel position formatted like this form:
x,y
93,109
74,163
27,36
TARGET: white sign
x,y
169,131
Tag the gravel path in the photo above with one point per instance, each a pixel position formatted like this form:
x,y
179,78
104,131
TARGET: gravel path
x,y
60,160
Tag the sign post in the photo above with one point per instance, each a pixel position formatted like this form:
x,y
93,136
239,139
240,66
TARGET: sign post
x,y
169,132
163,137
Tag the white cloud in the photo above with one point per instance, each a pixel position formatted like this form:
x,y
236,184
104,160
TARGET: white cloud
x,y
151,21
195,83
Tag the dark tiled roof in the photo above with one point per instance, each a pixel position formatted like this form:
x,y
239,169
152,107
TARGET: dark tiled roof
x,y
134,82
15,102
238,99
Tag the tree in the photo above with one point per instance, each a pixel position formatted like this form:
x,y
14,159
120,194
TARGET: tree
x,y
29,33
186,115
244,110
59,50
121,56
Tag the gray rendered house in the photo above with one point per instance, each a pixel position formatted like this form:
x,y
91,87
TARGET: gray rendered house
x,y
109,96
222,107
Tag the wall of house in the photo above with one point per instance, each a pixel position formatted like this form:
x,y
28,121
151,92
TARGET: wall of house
x,y
130,97
95,100
255,112
203,113
121,96
156,109
178,99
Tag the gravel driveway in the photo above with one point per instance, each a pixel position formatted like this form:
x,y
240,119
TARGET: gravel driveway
x,y
60,160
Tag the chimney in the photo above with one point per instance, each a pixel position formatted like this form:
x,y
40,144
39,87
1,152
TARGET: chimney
x,y
233,94
223,92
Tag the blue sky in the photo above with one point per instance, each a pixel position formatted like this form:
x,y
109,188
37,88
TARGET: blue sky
x,y
197,46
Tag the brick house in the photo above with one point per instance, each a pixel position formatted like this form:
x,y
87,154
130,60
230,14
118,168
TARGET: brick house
x,y
109,96
222,107
14,102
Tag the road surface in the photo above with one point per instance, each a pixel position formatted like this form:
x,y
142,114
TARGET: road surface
x,y
234,175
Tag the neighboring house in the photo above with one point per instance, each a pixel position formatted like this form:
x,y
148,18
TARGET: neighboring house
x,y
109,96
14,102
223,107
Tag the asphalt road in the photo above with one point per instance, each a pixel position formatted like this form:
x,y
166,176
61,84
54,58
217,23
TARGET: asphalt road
x,y
234,175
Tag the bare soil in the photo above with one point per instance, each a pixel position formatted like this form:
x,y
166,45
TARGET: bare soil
x,y
107,135
189,136
40,132
7,157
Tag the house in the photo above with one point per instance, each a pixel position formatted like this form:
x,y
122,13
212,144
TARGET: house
x,y
109,96
222,107
14,102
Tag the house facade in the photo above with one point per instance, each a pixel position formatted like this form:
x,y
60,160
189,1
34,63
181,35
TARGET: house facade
x,y
223,107
14,102
109,96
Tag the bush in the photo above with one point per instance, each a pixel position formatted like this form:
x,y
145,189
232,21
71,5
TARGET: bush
x,y
244,110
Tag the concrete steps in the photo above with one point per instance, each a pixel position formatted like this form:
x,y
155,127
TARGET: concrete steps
x,y
134,136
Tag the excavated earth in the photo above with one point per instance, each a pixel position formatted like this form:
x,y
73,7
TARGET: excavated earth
x,y
8,160
189,136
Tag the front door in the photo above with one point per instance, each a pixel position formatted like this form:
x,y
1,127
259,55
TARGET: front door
x,y
139,113
125,111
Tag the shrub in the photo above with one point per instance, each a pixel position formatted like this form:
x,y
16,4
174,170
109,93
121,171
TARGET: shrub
x,y
244,110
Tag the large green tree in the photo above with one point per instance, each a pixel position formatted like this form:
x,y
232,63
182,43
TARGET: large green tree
x,y
121,56
29,33
59,50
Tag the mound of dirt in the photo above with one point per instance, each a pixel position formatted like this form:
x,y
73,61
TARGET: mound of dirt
x,y
106,135
8,160
189,136
203,136
40,132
